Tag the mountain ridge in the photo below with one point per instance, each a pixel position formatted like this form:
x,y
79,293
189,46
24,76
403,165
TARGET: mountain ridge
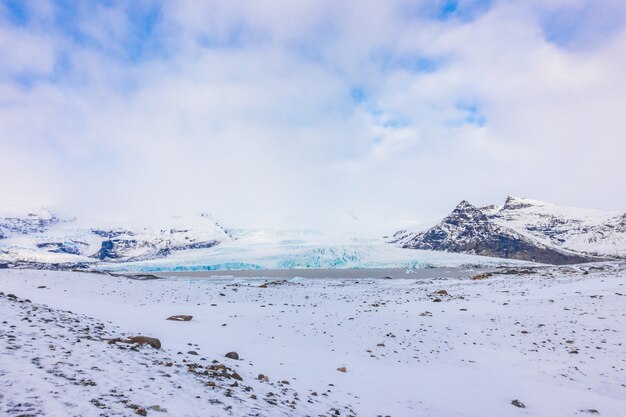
x,y
524,229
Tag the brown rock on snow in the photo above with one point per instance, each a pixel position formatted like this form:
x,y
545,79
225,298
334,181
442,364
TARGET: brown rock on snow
x,y
442,292
232,355
481,276
181,317
140,340
342,369
145,340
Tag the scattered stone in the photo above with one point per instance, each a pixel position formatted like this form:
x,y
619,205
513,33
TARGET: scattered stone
x,y
442,292
181,317
232,355
145,340
139,410
139,340
342,369
158,408
481,276
518,404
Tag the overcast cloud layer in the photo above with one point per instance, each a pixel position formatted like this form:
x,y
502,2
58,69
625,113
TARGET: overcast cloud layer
x,y
283,113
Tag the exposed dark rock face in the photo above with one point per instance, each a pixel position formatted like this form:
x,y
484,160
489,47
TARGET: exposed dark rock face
x,y
51,266
31,223
121,249
113,248
72,247
469,230
109,234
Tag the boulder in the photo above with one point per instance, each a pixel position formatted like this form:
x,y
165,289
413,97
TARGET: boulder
x,y
481,276
181,317
518,404
138,340
145,340
232,355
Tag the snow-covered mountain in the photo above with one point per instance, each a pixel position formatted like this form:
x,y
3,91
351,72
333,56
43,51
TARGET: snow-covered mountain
x,y
198,243
520,229
302,249
42,237
524,229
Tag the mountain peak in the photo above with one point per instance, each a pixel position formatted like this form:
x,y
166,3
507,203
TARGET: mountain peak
x,y
522,229
466,208
464,204
516,203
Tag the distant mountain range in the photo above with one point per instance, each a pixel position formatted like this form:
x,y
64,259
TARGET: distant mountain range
x,y
42,237
524,229
521,229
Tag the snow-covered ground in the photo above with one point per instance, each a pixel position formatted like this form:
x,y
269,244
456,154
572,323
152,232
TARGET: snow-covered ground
x,y
553,340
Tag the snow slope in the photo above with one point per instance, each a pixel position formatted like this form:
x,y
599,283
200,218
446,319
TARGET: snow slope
x,y
594,232
553,340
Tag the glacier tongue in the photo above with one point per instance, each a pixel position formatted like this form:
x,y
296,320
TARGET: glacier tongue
x,y
301,249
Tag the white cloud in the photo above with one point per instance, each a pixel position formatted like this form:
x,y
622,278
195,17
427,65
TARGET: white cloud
x,y
246,112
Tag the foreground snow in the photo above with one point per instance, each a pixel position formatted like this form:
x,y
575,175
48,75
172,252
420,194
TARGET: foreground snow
x,y
553,340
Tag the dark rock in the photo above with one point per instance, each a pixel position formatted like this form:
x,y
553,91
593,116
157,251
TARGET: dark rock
x,y
139,340
481,276
144,340
232,355
181,317
71,247
518,404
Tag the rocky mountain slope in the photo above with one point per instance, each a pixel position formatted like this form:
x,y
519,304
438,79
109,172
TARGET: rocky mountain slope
x,y
524,229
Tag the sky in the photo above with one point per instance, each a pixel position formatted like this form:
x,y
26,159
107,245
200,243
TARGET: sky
x,y
288,113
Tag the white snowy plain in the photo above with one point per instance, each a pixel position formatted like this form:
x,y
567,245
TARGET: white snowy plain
x,y
554,340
